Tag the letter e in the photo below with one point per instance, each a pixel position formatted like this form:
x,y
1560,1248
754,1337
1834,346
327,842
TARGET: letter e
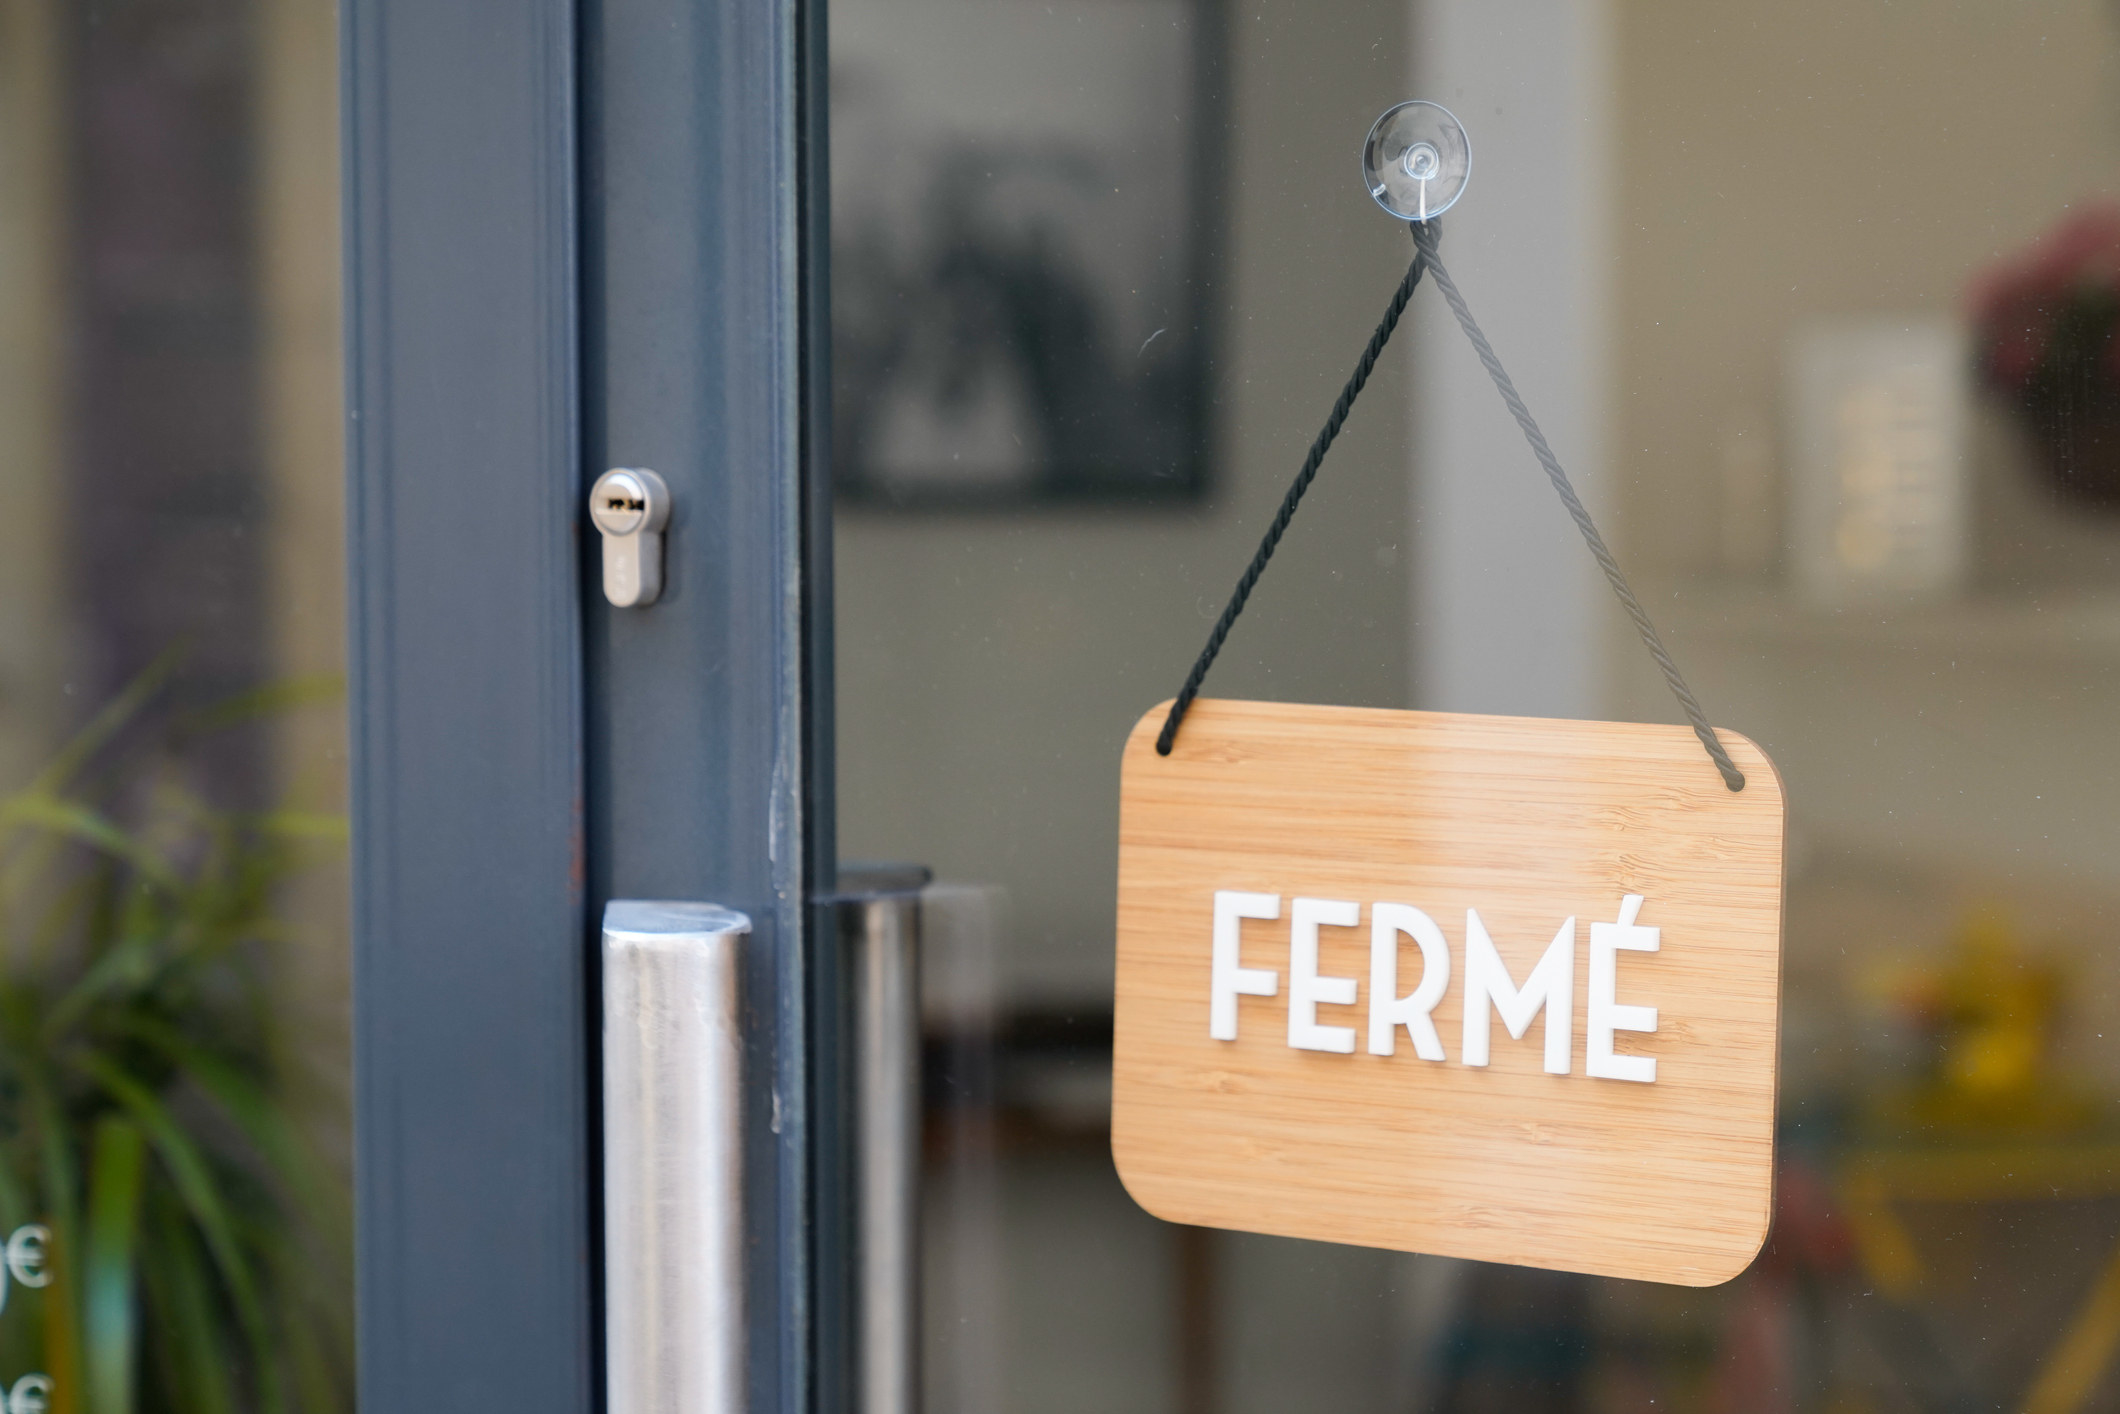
x,y
1606,1015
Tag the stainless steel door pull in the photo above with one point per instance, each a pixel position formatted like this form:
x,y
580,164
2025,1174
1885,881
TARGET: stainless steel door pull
x,y
673,1158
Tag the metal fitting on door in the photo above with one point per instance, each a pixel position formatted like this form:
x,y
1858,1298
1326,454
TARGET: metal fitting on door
x,y
884,942
878,913
673,1158
630,506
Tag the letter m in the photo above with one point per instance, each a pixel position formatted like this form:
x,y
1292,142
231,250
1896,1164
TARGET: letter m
x,y
1551,986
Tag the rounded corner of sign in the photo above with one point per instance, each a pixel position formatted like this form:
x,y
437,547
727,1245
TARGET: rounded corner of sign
x,y
1141,1186
1759,755
1730,1265
1150,723
1120,1165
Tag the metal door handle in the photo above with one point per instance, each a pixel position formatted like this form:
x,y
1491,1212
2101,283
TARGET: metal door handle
x,y
881,935
673,1158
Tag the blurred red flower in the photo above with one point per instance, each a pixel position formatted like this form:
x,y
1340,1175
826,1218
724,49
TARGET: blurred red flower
x,y
2046,316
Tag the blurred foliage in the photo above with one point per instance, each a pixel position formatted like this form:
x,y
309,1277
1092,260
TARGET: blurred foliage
x,y
199,1260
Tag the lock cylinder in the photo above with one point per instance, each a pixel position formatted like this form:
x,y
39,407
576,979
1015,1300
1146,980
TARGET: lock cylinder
x,y
629,507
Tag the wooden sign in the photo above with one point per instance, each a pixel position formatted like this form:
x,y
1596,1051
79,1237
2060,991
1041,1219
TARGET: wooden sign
x,y
1491,987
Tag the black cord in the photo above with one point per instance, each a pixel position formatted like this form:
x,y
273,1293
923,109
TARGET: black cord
x,y
1425,242
1427,237
1309,473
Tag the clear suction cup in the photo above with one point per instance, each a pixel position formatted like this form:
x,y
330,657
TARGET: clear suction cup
x,y
1417,161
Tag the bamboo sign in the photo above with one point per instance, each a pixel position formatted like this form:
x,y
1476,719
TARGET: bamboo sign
x,y
1489,987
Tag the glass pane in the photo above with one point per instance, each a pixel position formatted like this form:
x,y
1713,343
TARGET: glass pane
x,y
174,1136
1818,304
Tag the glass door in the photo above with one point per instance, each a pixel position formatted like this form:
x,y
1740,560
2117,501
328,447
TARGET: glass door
x,y
1819,305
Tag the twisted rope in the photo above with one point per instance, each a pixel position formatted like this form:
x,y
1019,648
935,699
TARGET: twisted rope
x,y
1309,473
1425,242
1427,237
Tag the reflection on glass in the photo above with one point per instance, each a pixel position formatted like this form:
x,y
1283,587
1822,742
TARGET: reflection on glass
x,y
1020,194
172,912
1877,436
1886,558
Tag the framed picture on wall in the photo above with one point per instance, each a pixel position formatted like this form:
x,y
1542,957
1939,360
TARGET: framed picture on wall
x,y
1023,198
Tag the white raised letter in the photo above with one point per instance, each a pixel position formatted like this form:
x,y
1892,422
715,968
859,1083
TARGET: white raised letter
x,y
1387,1009
1606,1014
1305,987
1551,985
1228,980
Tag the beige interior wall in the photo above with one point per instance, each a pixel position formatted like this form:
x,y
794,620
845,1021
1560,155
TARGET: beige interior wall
x,y
1857,157
32,390
1507,605
1822,158
991,665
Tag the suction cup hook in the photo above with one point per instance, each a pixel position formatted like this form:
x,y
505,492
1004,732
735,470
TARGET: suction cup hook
x,y
1417,161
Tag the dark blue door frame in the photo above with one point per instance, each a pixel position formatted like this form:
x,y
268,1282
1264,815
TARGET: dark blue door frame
x,y
578,235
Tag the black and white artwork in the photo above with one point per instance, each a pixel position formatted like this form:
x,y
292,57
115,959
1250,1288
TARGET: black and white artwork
x,y
1019,250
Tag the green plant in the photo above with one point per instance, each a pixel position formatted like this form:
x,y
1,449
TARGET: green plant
x,y
197,1259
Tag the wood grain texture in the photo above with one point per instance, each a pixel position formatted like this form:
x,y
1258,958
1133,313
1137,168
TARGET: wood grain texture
x,y
1529,821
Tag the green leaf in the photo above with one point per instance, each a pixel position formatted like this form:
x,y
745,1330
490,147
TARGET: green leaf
x,y
186,1329
199,1261
59,918
275,1136
73,820
106,724
108,1266
15,1209
271,700
63,1358
195,1184
129,963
